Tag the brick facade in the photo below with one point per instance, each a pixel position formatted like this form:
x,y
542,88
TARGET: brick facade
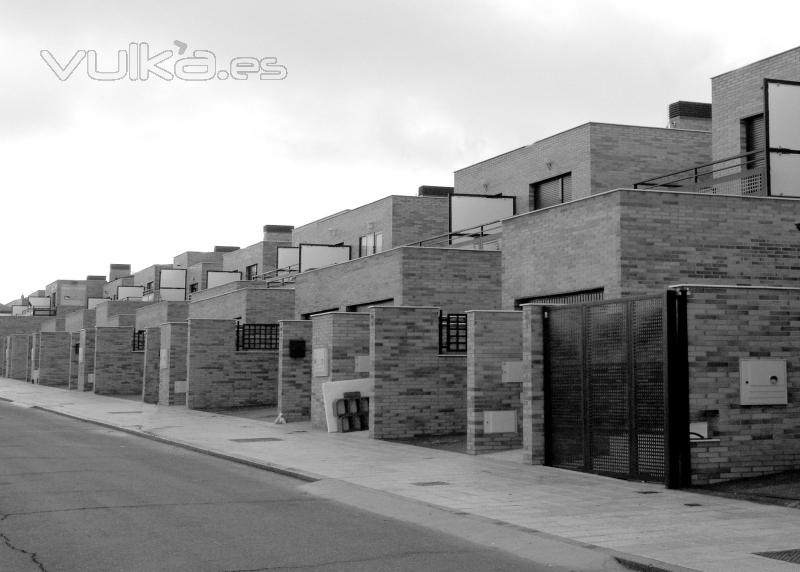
x,y
250,305
400,219
117,368
724,326
342,336
54,358
219,376
86,360
153,315
417,391
599,157
172,374
294,373
455,280
492,338
105,311
738,94
151,365
639,242
74,353
78,320
533,384
17,356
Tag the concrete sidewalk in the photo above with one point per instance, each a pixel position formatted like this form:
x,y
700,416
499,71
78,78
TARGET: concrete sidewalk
x,y
646,521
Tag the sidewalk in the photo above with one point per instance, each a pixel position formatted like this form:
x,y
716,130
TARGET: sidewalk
x,y
646,521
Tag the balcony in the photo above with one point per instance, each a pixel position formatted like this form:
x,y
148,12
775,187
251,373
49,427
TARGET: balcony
x,y
743,175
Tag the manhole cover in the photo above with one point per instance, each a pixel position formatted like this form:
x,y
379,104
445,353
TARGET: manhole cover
x,y
430,484
256,440
792,556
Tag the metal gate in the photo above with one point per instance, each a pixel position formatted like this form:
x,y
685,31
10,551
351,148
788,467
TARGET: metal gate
x,y
606,386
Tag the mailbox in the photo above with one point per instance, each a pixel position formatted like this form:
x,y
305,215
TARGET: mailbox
x,y
762,382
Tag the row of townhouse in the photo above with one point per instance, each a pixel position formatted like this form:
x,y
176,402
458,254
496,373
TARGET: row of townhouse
x,y
615,299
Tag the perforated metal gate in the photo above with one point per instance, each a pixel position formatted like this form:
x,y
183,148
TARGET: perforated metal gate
x,y
605,387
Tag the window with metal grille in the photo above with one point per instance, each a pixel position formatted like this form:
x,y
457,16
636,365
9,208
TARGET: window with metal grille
x,y
453,333
551,192
256,337
138,340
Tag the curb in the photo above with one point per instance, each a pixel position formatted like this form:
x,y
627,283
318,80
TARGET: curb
x,y
629,561
272,468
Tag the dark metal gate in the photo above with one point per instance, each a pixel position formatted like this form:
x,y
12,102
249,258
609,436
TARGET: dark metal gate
x,y
606,386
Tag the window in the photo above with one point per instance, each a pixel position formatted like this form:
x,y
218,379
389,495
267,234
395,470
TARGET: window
x,y
250,272
370,244
148,287
193,288
551,192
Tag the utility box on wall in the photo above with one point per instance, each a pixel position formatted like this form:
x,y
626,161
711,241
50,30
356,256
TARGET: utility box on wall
x,y
762,382
499,422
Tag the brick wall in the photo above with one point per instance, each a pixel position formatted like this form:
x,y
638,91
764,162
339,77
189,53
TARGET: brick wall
x,y
669,238
54,358
86,360
105,311
172,383
264,253
623,155
724,326
55,324
254,305
342,336
219,376
17,356
10,325
117,368
154,315
639,242
348,226
533,384
151,368
417,391
294,374
492,338
599,156
567,248
455,280
122,321
418,218
74,352
76,321
198,274
738,94
513,172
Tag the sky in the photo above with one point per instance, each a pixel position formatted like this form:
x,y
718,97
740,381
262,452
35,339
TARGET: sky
x,y
359,100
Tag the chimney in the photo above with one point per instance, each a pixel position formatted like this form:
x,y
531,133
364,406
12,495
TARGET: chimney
x,y
118,271
691,115
278,233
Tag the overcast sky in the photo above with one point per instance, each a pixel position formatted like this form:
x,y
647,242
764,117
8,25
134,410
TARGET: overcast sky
x,y
379,98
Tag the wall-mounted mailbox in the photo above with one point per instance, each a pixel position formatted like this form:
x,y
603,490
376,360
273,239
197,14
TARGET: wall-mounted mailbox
x,y
297,349
363,364
500,421
762,382
319,362
512,372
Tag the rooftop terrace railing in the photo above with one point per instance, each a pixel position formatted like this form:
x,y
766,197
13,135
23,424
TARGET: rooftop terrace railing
x,y
743,175
484,237
279,277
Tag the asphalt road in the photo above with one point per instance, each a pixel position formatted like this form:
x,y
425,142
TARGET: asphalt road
x,y
79,497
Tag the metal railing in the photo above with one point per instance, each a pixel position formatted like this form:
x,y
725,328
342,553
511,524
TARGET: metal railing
x,y
743,174
279,277
484,237
137,344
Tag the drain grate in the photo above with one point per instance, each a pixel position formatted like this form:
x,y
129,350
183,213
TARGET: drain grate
x,y
792,556
430,484
648,492
692,504
256,440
